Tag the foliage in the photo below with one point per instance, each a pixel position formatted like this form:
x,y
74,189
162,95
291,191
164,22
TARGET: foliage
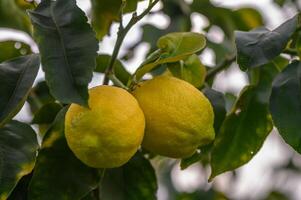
x,y
68,41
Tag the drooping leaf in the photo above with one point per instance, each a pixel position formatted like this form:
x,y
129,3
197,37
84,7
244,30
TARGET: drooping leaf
x,y
173,47
219,107
18,148
102,62
12,49
16,79
58,173
245,129
13,15
285,104
104,12
68,49
38,96
259,46
47,113
190,70
134,181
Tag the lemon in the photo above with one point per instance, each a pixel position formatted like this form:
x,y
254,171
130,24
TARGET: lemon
x,y
179,118
107,134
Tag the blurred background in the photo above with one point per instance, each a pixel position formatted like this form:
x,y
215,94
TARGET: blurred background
x,y
275,172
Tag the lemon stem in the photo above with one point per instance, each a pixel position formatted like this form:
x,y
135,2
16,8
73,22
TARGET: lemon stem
x,y
122,33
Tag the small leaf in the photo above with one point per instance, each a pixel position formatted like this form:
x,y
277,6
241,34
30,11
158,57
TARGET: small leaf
x,y
135,180
47,113
58,173
68,49
104,12
12,49
245,129
190,70
285,104
259,46
18,148
16,79
102,62
173,47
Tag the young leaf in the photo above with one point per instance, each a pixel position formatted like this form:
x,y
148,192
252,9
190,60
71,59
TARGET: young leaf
x,y
173,47
285,104
102,62
190,70
68,49
259,46
246,127
18,148
16,79
58,173
134,181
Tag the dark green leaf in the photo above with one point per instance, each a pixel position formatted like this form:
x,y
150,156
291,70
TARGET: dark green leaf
x,y
12,49
135,180
259,46
58,173
196,157
47,113
102,62
38,96
21,189
68,49
16,79
13,15
285,104
219,107
245,129
104,12
18,148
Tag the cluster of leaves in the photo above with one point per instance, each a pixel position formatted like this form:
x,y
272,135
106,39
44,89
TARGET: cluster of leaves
x,y
68,55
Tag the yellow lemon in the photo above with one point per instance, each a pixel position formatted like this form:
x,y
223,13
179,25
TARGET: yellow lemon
x,y
109,133
179,118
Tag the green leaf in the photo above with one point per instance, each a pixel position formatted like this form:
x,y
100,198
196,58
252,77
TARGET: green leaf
x,y
102,62
12,15
135,180
20,191
58,173
186,162
18,148
259,46
47,113
190,70
104,12
38,96
16,79
173,47
285,104
12,49
219,107
68,49
245,129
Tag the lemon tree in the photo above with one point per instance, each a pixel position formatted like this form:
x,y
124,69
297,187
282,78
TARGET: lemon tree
x,y
80,123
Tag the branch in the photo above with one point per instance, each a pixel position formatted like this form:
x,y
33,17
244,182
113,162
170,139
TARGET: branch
x,y
225,64
121,35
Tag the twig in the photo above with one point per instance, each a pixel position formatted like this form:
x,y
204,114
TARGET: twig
x,y
121,35
225,64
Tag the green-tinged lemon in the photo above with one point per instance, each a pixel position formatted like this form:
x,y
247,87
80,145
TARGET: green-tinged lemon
x,y
107,134
179,118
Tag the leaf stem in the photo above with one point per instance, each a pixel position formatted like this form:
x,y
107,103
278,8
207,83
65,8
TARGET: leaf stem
x,y
121,35
223,65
